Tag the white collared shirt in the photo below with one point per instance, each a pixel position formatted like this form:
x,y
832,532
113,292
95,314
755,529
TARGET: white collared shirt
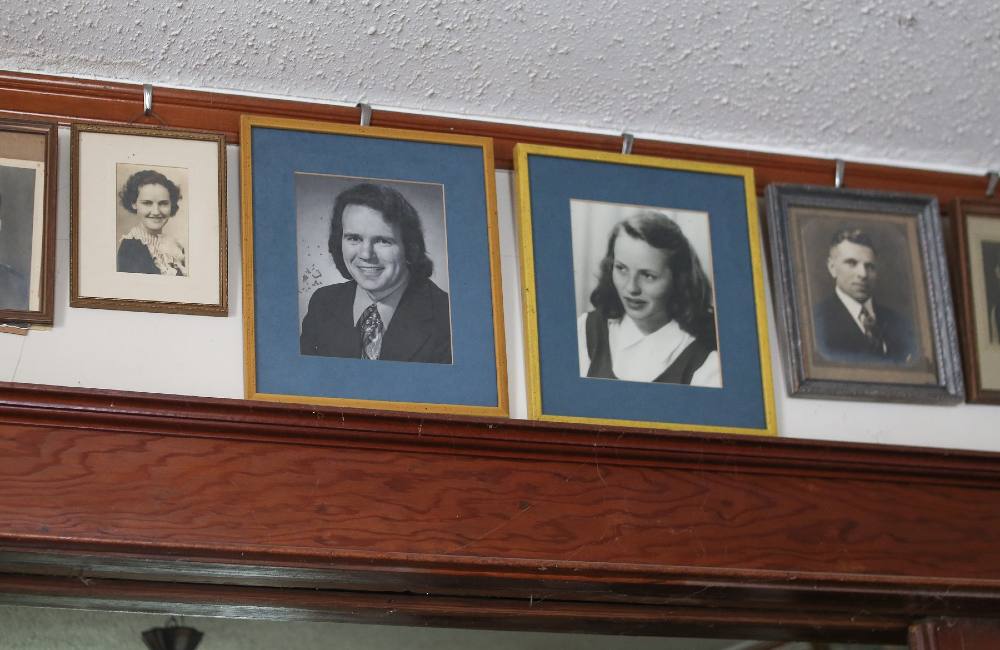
x,y
386,306
854,308
643,357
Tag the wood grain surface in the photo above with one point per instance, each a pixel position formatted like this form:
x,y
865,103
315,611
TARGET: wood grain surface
x,y
728,543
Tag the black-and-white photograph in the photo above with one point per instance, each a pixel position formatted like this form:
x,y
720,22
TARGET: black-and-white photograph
x,y
991,282
152,220
644,294
865,303
373,269
18,184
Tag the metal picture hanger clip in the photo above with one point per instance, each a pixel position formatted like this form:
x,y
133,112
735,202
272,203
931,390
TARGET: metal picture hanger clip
x,y
147,105
992,178
838,176
366,114
627,140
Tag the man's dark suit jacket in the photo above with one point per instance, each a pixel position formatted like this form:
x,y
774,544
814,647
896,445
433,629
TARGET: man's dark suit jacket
x,y
420,329
839,338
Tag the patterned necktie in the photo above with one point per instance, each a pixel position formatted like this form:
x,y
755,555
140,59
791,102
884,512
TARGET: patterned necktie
x,y
371,333
871,329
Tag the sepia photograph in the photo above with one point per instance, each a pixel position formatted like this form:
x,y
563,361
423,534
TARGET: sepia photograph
x,y
645,303
152,225
27,221
148,220
865,313
863,301
373,269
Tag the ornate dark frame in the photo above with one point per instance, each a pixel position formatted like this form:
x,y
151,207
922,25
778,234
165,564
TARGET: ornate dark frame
x,y
949,386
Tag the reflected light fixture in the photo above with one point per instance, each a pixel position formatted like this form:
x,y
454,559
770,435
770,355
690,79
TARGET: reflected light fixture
x,y
172,637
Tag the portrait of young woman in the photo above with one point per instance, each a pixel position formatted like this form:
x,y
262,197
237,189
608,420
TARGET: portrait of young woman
x,y
148,220
643,300
646,308
152,228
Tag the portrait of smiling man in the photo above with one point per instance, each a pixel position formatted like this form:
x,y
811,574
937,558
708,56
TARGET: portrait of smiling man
x,y
850,323
388,308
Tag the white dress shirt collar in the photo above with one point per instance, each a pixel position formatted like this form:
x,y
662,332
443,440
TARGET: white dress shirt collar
x,y
854,308
386,306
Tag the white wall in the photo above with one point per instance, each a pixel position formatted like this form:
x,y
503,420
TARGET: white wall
x,y
202,355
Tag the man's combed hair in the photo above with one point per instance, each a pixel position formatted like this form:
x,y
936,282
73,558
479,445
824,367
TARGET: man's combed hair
x,y
690,300
396,210
853,235
130,191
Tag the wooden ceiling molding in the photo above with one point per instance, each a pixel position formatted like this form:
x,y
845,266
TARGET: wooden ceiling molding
x,y
68,100
234,508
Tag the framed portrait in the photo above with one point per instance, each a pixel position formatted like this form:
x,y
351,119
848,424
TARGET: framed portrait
x,y
148,220
643,294
976,225
27,220
862,295
371,268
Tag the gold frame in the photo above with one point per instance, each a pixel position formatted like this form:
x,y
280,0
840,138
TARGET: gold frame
x,y
128,304
247,122
529,304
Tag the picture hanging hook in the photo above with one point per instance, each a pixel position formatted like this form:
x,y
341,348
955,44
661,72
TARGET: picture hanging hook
x,y
147,106
627,140
992,178
366,113
838,176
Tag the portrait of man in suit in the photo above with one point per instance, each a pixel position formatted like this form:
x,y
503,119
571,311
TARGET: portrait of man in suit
x,y
851,324
387,308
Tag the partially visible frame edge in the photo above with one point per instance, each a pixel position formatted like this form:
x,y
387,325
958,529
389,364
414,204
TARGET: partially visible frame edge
x,y
964,298
44,315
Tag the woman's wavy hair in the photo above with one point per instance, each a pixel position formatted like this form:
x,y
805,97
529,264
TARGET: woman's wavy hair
x,y
690,299
396,210
130,191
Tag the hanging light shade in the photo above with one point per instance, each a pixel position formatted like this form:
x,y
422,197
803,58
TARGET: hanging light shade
x,y
172,637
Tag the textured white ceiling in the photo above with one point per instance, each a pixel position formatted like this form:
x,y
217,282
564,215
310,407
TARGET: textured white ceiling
x,y
915,82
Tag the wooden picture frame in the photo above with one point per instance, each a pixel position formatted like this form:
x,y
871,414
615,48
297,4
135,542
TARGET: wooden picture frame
x,y
28,173
172,260
404,221
687,352
836,250
976,230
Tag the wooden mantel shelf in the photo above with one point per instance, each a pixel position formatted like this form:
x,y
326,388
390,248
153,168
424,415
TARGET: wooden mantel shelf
x,y
191,505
